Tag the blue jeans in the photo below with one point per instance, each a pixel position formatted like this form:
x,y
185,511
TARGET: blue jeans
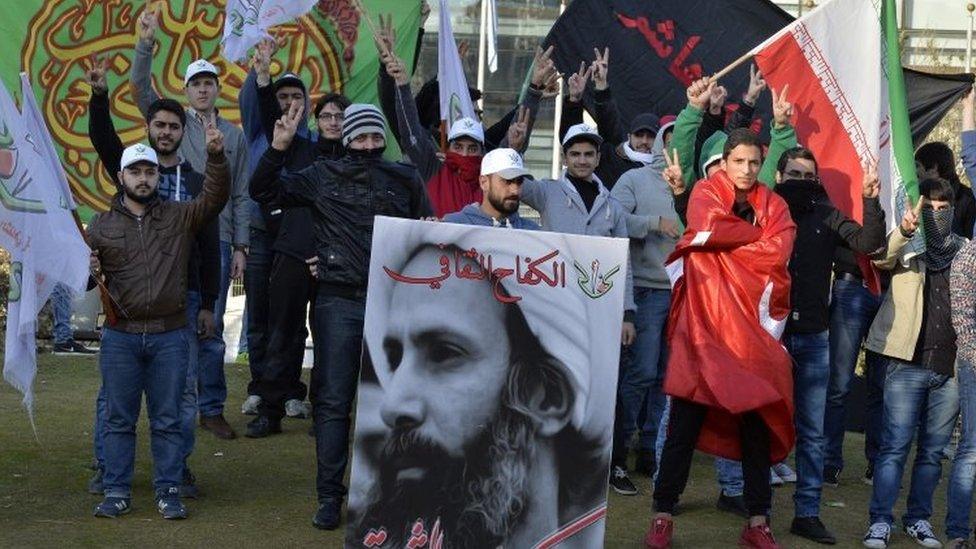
x,y
852,309
133,364
212,384
338,338
642,368
963,473
256,283
915,399
811,372
188,407
61,306
877,366
729,475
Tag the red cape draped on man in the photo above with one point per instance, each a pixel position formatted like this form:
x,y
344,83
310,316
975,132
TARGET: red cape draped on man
x,y
455,185
730,300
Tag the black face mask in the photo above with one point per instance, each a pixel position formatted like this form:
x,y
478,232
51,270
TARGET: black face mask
x,y
801,195
374,154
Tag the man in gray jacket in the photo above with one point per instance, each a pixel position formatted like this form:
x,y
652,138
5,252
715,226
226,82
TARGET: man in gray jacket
x,y
202,88
653,227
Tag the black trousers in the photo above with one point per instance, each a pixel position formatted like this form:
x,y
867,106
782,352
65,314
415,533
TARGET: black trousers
x,y
290,293
684,427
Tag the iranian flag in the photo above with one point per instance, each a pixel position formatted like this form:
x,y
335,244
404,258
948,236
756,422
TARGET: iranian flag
x,y
843,67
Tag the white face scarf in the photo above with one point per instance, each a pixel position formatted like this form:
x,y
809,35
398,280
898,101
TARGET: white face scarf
x,y
634,156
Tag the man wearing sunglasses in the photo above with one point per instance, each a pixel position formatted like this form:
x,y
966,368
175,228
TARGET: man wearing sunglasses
x,y
820,229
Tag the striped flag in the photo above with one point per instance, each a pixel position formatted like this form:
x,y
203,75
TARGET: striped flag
x,y
454,95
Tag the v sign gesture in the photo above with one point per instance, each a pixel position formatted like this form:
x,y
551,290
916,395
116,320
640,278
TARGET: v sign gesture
x,y
782,108
286,127
672,174
214,137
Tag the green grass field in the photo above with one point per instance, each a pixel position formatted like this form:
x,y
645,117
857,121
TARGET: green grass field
x,y
260,493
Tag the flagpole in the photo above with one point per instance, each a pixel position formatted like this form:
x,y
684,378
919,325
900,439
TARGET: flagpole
x,y
969,38
482,53
557,115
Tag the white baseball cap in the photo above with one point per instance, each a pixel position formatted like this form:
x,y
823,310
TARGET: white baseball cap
x,y
581,132
505,162
465,127
138,153
200,66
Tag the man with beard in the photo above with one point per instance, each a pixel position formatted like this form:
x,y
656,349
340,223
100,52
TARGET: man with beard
x,y
177,182
502,174
141,247
454,182
202,88
488,407
344,196
913,331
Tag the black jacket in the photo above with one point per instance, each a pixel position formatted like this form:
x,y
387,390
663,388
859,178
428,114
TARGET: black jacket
x,y
290,227
820,229
964,214
344,196
203,270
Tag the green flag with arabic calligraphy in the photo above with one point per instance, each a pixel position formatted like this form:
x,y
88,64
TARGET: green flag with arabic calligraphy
x,y
52,41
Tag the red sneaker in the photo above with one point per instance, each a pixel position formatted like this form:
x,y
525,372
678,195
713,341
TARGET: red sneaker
x,y
660,534
757,537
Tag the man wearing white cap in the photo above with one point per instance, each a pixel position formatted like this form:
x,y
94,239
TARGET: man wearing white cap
x,y
454,182
202,89
502,174
344,196
141,246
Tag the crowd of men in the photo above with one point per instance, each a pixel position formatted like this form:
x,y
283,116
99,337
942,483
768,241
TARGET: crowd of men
x,y
290,210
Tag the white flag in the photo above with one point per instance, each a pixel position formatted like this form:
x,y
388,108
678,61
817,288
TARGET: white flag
x,y
246,22
455,98
492,39
34,124
37,228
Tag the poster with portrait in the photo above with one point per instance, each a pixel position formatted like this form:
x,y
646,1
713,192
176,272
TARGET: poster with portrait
x,y
486,398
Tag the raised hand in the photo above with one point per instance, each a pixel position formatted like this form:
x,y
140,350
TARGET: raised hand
x,y
782,108
148,22
261,61
601,68
870,185
756,86
909,221
95,76
716,99
386,35
672,173
543,67
463,48
577,82
287,126
214,137
519,129
396,69
699,93
424,13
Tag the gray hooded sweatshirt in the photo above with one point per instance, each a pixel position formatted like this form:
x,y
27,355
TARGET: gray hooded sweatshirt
x,y
645,198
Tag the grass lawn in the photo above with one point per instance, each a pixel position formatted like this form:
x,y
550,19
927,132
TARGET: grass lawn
x,y
260,493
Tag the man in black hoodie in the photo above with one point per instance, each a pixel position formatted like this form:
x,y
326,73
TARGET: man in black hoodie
x,y
344,197
820,229
291,286
178,182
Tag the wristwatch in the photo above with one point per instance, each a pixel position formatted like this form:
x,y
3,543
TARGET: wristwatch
x,y
242,248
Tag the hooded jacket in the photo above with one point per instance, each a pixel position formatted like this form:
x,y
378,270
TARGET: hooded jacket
x,y
613,164
473,215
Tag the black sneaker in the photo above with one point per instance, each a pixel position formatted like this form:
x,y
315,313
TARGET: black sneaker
x,y
732,504
263,426
812,529
72,348
869,475
169,504
189,488
645,463
621,483
113,507
327,516
830,475
95,486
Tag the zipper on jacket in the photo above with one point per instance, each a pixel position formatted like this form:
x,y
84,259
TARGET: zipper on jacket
x,y
145,254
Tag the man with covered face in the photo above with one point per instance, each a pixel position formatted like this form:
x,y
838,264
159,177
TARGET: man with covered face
x,y
913,331
493,438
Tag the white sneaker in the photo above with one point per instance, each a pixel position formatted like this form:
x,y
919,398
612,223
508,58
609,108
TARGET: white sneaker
x,y
774,479
250,406
923,535
784,472
877,536
296,408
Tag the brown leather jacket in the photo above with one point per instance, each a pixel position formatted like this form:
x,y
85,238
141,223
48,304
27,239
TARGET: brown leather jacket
x,y
145,259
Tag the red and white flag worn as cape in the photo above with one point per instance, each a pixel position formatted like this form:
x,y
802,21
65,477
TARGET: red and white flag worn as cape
x,y
729,303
